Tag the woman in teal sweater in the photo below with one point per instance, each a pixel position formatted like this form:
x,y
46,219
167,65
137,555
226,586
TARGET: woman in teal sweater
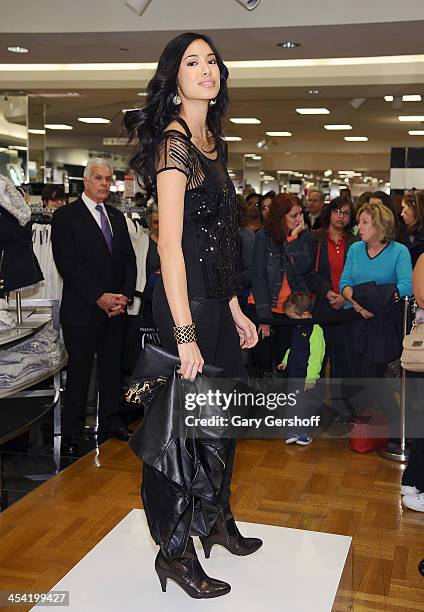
x,y
375,342
376,258
379,259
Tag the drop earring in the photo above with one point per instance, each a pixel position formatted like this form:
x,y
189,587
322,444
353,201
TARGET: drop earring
x,y
176,100
212,102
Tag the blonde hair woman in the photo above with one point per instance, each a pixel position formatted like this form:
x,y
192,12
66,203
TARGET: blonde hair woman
x,y
378,259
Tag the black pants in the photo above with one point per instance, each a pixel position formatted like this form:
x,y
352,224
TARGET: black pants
x,y
337,340
282,337
413,475
82,342
219,345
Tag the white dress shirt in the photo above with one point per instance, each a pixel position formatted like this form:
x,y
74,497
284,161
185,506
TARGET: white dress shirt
x,y
91,205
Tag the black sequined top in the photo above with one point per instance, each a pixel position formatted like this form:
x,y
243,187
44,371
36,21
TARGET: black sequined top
x,y
210,240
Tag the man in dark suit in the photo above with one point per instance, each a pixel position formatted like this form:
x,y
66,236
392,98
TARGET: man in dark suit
x,y
314,205
94,255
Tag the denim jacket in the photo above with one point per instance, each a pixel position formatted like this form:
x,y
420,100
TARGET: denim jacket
x,y
269,264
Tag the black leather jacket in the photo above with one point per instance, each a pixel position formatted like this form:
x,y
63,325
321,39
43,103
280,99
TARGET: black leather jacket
x,y
269,264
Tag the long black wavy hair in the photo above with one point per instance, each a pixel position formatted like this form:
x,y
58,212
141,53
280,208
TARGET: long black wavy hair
x,y
147,124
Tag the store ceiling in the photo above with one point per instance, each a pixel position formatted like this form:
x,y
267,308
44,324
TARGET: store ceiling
x,y
270,96
346,40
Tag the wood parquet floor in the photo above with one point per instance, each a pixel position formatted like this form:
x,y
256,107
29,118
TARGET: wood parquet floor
x,y
322,487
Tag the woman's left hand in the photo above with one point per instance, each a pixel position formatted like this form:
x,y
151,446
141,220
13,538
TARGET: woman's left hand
x,y
247,332
245,328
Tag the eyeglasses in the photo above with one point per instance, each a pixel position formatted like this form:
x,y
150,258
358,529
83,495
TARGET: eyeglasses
x,y
342,213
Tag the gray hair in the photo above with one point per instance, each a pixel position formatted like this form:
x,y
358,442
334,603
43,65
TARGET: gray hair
x,y
321,194
95,162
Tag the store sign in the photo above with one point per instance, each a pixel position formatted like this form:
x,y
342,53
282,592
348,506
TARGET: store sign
x,y
129,186
115,141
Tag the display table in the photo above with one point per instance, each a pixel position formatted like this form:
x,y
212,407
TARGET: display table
x,y
16,418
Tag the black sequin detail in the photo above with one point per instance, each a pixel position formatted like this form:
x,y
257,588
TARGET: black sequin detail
x,y
210,233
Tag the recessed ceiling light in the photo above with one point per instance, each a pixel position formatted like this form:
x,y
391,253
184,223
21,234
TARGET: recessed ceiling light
x,y
278,133
142,93
356,138
411,98
93,120
288,44
406,98
58,126
313,92
335,126
257,157
411,117
18,49
68,94
312,111
233,138
416,132
33,131
245,120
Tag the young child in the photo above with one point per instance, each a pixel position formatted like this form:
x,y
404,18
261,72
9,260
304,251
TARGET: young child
x,y
305,356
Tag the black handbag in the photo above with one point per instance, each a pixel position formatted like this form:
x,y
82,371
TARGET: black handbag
x,y
156,385
154,367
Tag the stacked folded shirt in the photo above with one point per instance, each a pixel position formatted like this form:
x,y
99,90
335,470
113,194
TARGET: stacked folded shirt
x,y
36,356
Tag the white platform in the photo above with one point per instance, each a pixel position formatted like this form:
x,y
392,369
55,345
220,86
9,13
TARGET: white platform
x,y
294,571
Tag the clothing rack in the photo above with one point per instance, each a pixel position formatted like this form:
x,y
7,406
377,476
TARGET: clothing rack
x,y
36,210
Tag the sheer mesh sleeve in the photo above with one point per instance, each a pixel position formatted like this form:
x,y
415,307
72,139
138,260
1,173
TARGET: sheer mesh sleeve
x,y
173,153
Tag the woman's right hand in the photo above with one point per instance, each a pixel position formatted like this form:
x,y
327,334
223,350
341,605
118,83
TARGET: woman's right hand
x,y
365,314
191,360
264,330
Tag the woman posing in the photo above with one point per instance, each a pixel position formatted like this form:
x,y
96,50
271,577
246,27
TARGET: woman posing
x,y
182,156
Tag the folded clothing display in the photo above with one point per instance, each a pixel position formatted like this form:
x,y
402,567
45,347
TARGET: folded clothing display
x,y
36,356
7,319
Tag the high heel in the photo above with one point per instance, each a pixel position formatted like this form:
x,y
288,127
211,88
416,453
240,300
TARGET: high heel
x,y
187,572
225,532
